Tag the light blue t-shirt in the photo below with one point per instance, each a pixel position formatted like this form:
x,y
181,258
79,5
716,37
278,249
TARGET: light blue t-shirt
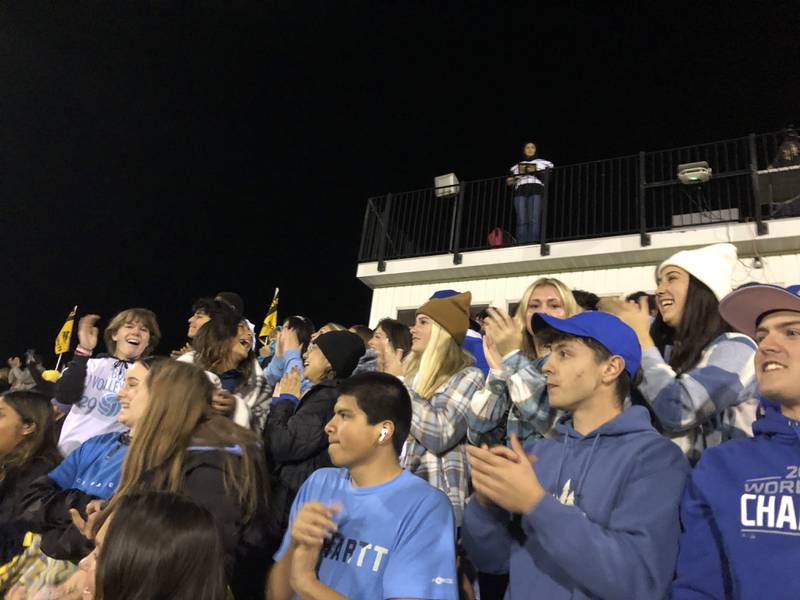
x,y
394,540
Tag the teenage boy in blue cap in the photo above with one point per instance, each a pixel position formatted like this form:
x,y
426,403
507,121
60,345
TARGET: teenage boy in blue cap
x,y
597,515
741,508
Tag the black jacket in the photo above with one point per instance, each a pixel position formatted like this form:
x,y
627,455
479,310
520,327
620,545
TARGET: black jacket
x,y
249,546
69,387
12,523
46,508
296,443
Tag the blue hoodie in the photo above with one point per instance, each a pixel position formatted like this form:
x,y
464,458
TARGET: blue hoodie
x,y
281,365
94,467
608,526
741,517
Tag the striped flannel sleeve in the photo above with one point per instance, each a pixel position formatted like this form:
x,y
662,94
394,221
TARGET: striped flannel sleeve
x,y
527,388
684,401
487,407
440,423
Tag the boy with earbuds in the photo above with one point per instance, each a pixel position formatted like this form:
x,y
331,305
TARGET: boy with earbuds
x,y
367,529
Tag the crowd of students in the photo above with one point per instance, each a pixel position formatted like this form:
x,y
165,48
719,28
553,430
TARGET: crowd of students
x,y
579,448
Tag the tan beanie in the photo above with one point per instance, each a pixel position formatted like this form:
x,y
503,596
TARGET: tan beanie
x,y
451,313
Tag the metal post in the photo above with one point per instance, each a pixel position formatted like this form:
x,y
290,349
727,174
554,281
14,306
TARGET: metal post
x,y
644,237
544,247
384,233
761,227
364,229
455,227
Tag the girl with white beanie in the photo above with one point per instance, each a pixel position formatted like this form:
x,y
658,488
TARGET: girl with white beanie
x,y
697,375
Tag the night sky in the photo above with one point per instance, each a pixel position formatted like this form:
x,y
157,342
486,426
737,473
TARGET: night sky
x,y
152,153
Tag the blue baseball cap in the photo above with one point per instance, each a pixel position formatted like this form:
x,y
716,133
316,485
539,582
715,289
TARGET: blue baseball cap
x,y
745,306
605,328
444,294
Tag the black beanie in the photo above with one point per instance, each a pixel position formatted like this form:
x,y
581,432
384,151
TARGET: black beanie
x,y
342,349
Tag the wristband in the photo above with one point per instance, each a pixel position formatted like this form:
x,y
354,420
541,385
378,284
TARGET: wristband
x,y
80,351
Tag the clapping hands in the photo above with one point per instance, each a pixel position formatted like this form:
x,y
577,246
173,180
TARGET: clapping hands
x,y
390,359
291,383
503,332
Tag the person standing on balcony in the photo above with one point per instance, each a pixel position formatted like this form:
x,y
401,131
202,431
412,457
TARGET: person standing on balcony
x,y
528,191
698,376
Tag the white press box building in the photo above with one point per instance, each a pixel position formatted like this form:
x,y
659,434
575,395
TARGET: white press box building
x,y
609,266
606,225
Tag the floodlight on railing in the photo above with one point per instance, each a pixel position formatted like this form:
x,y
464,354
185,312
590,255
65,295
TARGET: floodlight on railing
x,y
446,185
694,173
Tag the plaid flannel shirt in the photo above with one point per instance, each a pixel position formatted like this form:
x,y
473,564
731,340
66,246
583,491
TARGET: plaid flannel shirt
x,y
518,390
435,449
714,402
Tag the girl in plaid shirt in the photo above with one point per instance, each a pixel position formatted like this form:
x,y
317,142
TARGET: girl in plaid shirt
x,y
441,381
697,373
515,397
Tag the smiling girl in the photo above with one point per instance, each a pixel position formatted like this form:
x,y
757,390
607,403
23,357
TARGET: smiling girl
x,y
697,374
182,446
88,476
224,348
90,385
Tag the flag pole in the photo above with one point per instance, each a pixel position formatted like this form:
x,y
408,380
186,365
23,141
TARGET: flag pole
x,y
274,296
61,354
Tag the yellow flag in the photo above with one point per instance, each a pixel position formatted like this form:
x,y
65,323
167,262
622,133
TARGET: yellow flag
x,y
65,335
271,320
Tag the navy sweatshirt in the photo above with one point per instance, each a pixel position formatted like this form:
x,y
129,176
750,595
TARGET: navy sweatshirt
x,y
741,517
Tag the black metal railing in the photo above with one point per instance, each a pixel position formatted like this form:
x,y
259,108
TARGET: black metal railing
x,y
753,180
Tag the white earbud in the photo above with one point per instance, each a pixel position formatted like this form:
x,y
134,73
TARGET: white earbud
x,y
384,433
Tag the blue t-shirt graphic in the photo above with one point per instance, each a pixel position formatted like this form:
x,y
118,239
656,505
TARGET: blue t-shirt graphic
x,y
94,467
394,540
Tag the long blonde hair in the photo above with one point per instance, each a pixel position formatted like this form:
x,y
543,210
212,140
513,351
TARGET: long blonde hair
x,y
177,415
441,359
567,300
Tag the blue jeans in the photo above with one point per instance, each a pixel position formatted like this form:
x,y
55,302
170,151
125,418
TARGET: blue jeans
x,y
528,210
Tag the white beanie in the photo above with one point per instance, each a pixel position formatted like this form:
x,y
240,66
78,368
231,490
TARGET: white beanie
x,y
713,265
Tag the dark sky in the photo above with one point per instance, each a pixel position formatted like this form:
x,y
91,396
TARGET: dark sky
x,y
152,153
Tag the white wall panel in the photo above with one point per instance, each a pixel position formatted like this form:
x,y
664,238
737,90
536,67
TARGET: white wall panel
x,y
621,279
